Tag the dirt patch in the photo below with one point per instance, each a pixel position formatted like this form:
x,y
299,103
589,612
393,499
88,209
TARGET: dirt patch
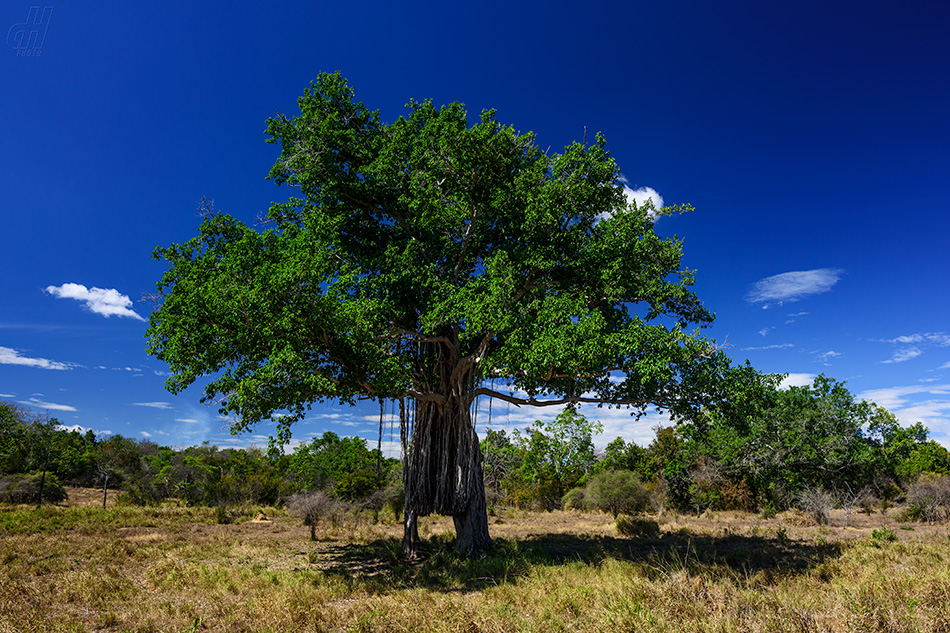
x,y
87,497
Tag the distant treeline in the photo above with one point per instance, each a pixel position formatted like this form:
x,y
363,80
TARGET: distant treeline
x,y
768,450
32,450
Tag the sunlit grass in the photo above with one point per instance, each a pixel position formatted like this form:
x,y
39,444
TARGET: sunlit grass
x,y
176,569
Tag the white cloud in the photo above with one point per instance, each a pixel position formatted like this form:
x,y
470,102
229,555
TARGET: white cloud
x,y
940,339
828,355
39,404
187,420
145,434
797,380
765,331
896,397
107,302
10,356
641,195
933,411
794,285
153,405
945,366
904,354
72,427
916,344
777,346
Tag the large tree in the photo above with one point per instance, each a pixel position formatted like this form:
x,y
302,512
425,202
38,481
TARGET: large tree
x,y
432,262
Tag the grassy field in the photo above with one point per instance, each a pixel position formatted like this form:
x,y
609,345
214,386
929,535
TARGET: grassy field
x,y
76,567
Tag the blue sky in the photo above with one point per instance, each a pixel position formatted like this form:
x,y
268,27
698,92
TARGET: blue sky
x,y
811,137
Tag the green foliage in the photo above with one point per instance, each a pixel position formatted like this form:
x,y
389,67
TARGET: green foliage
x,y
502,460
356,484
558,455
25,488
617,492
621,455
884,534
575,499
422,234
326,461
776,443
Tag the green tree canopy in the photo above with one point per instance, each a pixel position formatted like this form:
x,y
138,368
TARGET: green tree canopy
x,y
420,259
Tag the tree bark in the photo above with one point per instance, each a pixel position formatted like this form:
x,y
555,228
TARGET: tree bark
x,y
444,468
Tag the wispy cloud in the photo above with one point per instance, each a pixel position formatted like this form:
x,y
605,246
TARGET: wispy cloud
x,y
9,356
792,286
940,339
36,403
105,301
777,346
903,354
933,410
826,356
153,405
915,345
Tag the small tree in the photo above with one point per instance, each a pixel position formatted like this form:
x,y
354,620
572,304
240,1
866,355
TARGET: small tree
x,y
559,454
106,457
617,492
311,507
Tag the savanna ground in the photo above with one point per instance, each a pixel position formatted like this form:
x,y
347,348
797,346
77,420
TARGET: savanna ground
x,y
76,567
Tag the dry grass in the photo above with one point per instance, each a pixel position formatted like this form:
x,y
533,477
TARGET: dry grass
x,y
176,569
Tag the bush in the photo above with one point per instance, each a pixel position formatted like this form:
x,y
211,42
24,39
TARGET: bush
x,y
311,506
25,488
575,499
637,526
929,498
884,534
818,503
735,495
617,492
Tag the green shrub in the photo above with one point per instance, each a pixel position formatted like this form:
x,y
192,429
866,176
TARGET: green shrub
x,y
357,484
638,527
884,534
25,488
617,492
575,499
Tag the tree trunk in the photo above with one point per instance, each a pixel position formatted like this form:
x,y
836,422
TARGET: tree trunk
x,y
444,471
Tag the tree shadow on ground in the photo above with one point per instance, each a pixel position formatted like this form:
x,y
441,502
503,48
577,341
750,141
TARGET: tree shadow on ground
x,y
742,559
